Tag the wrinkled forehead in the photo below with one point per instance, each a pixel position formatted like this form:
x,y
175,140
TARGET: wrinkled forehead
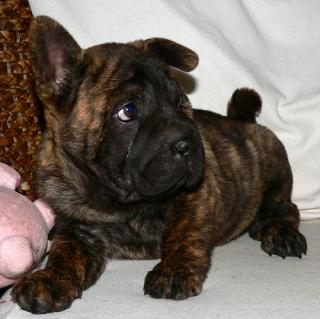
x,y
114,67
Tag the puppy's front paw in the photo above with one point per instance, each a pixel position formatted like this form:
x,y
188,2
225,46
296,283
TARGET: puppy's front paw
x,y
45,291
169,283
283,240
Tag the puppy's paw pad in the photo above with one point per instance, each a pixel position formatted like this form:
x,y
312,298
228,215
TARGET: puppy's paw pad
x,y
172,285
43,291
283,240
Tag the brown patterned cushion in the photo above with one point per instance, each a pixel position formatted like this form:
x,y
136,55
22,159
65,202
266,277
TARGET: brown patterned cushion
x,y
20,129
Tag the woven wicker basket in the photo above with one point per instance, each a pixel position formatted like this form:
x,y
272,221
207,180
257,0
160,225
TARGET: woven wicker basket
x,y
20,129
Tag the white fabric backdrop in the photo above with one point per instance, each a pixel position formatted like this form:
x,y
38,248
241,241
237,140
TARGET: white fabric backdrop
x,y
272,46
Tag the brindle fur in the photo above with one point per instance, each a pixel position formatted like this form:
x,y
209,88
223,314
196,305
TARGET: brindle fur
x,y
246,183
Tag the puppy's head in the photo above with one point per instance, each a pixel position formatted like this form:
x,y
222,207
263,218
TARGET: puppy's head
x,y
117,114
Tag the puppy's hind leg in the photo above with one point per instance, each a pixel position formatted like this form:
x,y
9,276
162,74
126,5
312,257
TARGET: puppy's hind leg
x,y
277,223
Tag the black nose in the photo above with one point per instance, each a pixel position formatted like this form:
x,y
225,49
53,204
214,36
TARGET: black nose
x,y
182,148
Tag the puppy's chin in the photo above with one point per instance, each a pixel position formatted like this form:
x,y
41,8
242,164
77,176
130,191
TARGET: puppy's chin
x,y
142,191
126,197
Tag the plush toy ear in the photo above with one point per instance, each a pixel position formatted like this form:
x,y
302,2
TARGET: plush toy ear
x,y
9,177
170,52
55,57
46,213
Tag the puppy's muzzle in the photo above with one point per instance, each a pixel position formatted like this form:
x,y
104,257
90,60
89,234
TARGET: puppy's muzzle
x,y
166,156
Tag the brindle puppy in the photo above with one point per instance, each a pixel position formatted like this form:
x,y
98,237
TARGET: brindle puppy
x,y
132,171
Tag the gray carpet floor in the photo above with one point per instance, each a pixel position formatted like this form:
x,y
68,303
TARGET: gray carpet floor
x,y
243,282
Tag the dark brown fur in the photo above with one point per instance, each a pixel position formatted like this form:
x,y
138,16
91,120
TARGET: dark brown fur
x,y
246,182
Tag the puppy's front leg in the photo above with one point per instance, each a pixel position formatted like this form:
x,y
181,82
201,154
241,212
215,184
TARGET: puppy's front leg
x,y
186,249
75,262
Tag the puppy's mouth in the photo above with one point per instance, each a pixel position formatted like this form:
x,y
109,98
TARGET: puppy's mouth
x,y
138,188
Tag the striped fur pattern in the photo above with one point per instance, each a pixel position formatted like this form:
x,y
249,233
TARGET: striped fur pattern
x,y
173,183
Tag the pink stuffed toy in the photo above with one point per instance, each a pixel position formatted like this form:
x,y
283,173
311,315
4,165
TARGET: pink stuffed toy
x,y
24,228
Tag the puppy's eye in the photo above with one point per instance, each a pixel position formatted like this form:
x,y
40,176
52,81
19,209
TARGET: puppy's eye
x,y
127,113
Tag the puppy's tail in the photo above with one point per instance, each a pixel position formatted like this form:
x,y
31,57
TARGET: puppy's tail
x,y
245,105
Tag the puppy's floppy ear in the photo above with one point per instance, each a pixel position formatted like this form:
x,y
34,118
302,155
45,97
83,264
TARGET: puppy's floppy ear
x,y
55,57
170,52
